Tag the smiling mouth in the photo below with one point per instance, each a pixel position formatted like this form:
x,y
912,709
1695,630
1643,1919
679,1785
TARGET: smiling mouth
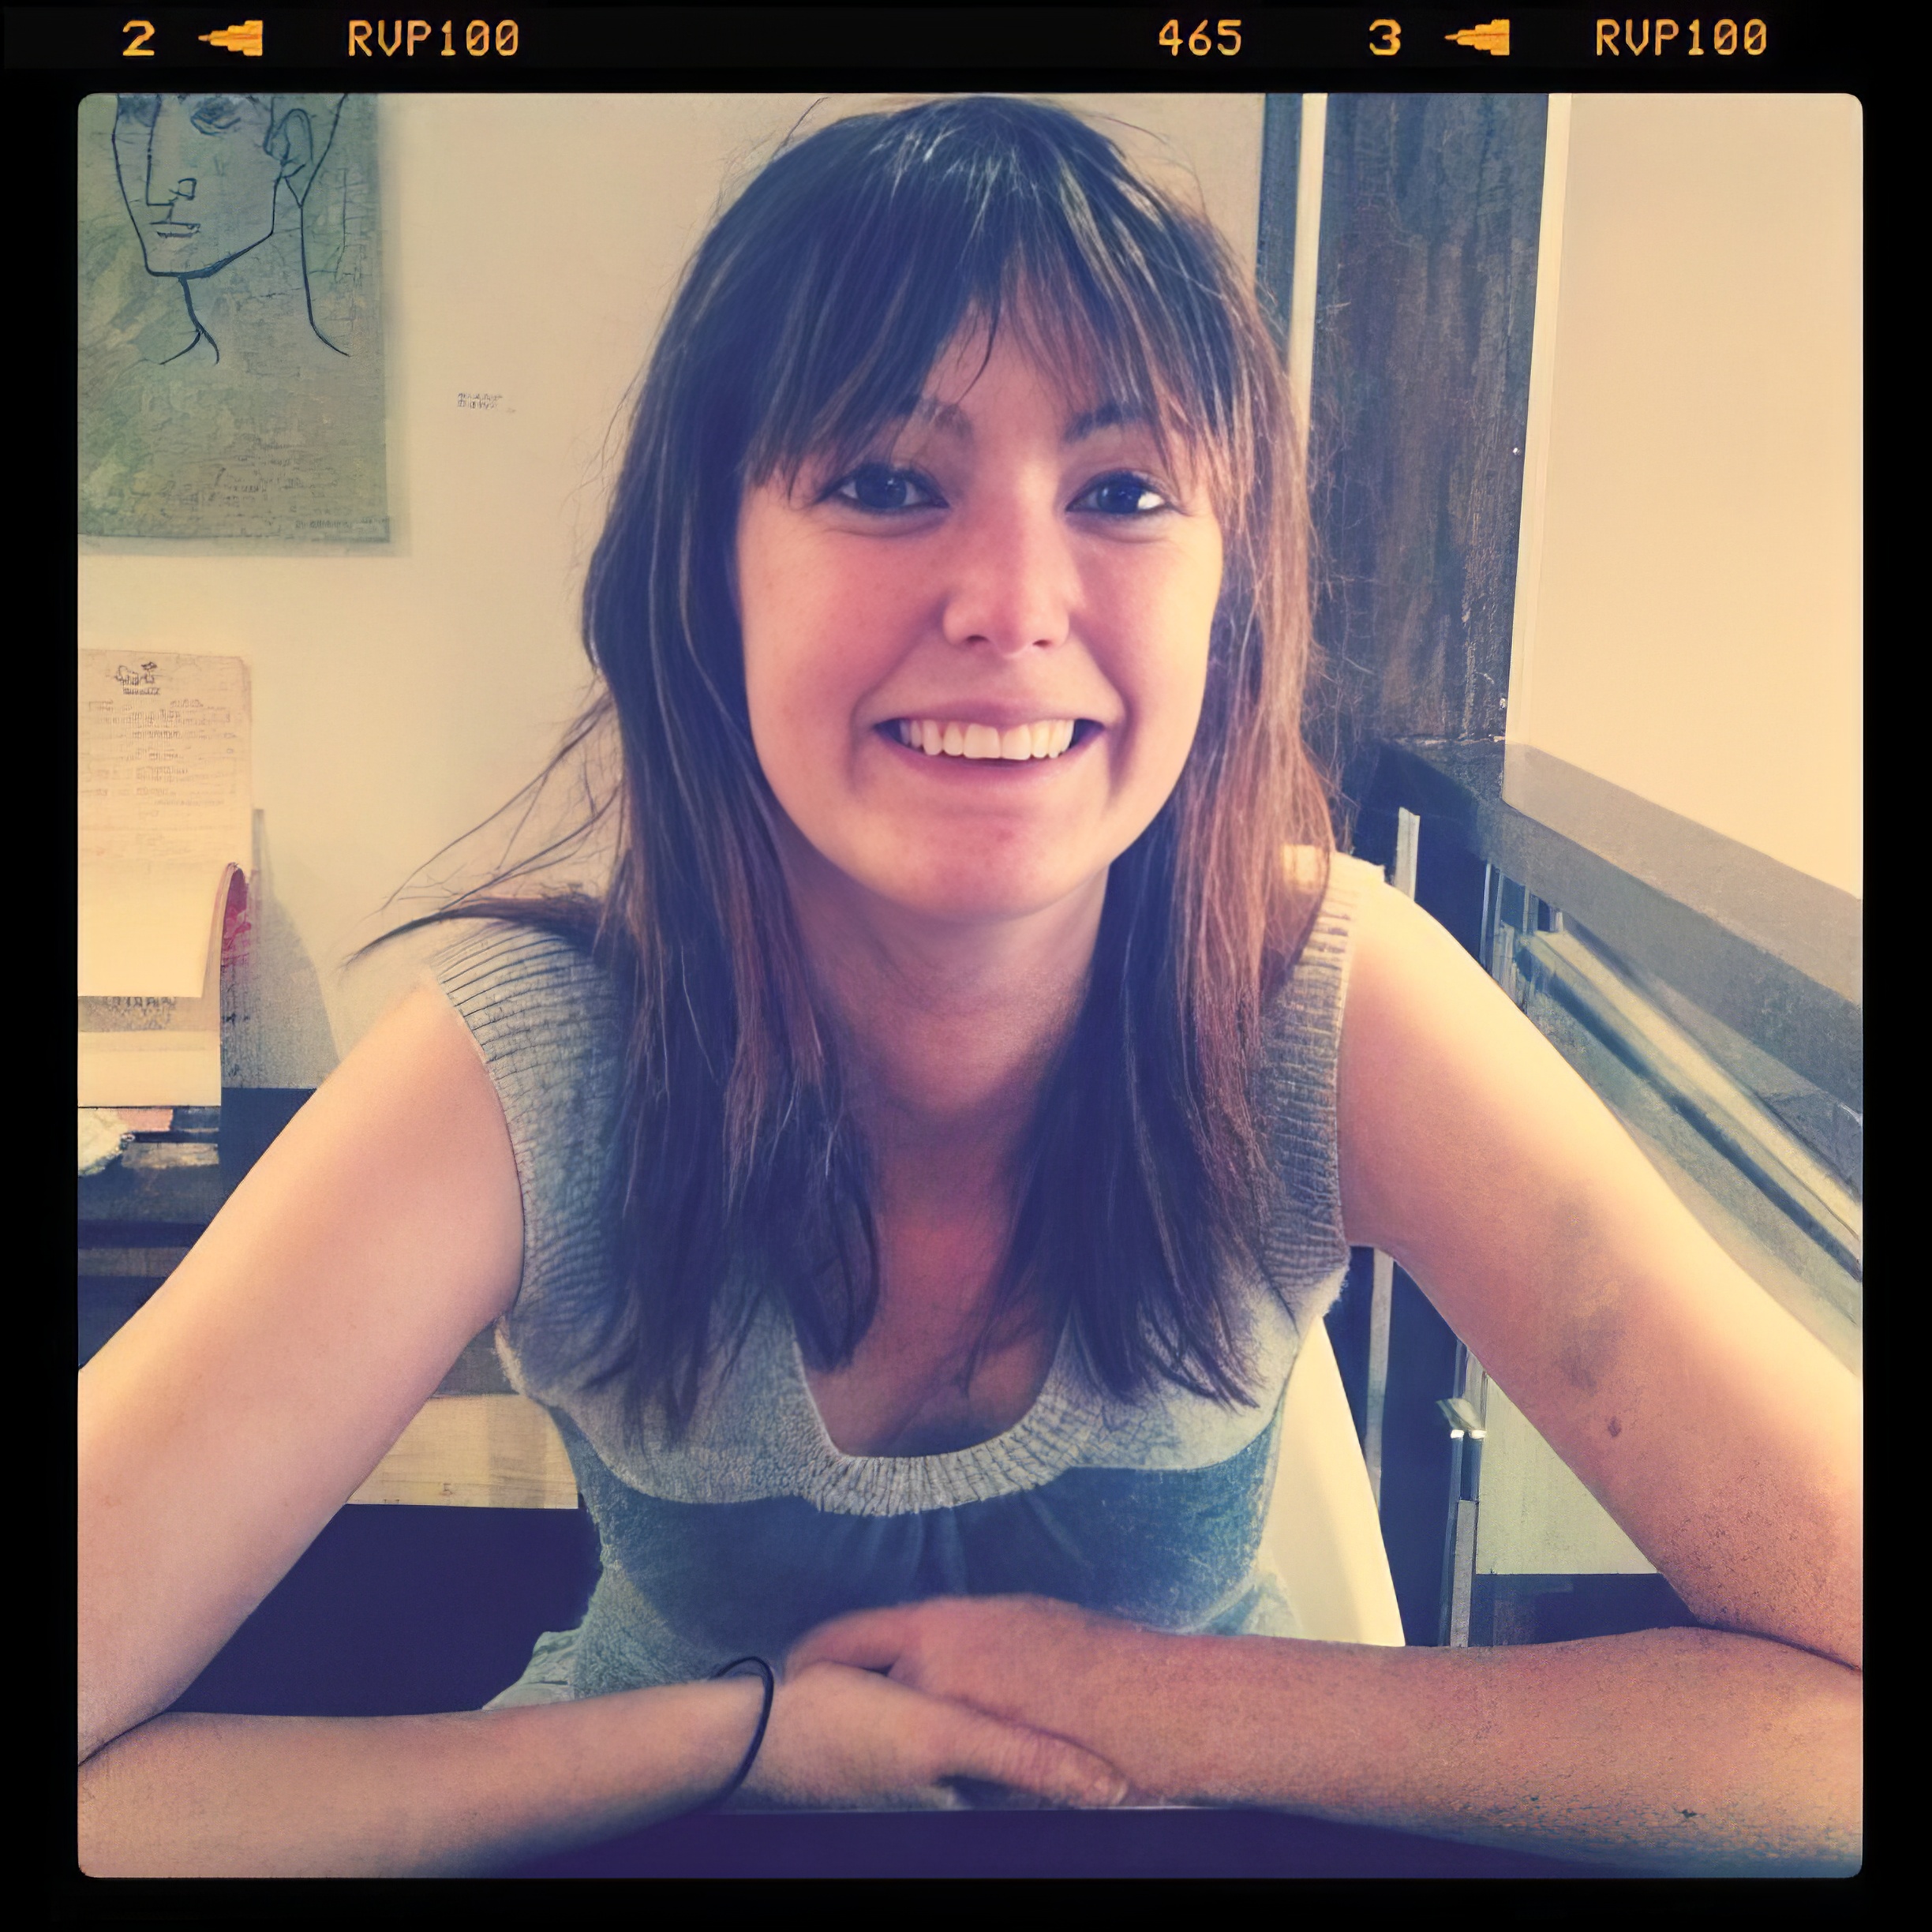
x,y
174,230
940,738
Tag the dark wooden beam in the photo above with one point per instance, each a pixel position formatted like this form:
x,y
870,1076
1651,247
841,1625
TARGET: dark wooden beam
x,y
1431,209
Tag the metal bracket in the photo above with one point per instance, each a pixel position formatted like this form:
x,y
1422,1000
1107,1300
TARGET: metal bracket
x,y
1382,1286
1465,1439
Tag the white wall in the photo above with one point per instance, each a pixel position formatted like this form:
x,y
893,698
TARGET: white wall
x,y
1689,626
530,244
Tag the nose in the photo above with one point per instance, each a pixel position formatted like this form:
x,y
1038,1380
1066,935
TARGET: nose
x,y
167,183
1011,585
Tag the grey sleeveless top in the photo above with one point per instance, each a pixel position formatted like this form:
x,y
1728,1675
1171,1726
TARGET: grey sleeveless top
x,y
754,1526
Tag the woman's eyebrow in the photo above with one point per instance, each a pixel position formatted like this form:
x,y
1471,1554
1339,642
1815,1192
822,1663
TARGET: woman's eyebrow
x,y
1105,416
929,413
950,419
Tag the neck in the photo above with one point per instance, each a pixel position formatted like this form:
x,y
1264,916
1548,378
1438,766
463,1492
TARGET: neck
x,y
948,1029
255,310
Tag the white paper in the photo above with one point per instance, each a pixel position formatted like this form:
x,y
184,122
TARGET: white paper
x,y
157,1049
150,1069
164,804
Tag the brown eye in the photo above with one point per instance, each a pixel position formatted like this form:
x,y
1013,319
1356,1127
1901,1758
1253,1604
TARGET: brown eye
x,y
883,490
1121,494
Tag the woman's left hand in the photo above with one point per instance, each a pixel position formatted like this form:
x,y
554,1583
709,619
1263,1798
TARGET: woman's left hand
x,y
1029,1659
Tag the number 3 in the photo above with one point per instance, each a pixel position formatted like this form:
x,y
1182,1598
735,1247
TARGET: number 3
x,y
1391,32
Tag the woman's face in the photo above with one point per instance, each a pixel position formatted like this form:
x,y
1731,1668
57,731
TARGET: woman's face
x,y
1014,569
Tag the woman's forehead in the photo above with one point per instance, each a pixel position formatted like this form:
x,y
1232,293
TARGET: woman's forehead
x,y
1085,396
1057,343
1083,400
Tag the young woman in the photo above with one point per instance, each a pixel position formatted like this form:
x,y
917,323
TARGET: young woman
x,y
907,1185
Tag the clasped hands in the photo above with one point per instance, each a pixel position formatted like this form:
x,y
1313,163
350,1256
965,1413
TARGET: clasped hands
x,y
957,1702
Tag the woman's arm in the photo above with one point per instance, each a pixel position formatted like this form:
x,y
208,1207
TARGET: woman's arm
x,y
1720,1437
1723,1440
478,1790
1676,1750
184,1796
228,1420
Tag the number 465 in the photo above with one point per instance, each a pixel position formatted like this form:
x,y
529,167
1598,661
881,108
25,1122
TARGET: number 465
x,y
1226,38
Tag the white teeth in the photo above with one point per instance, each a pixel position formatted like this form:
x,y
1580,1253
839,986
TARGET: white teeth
x,y
1046,739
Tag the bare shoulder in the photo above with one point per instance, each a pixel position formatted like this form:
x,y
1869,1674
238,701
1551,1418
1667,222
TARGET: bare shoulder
x,y
228,1420
1425,1031
1659,1371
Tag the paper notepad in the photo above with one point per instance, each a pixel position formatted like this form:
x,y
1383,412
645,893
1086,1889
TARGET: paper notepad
x,y
165,802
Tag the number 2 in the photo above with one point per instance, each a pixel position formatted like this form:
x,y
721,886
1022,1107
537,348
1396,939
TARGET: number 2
x,y
1391,32
137,48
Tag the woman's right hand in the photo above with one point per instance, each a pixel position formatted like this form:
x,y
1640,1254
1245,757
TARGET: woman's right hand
x,y
842,1737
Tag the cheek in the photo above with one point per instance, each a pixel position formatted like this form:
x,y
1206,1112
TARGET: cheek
x,y
805,628
775,698
1171,622
769,621
817,631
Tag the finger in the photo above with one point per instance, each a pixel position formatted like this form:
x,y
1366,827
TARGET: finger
x,y
866,1639
1035,1761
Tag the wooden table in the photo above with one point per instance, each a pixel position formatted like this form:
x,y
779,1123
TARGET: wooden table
x,y
1166,1843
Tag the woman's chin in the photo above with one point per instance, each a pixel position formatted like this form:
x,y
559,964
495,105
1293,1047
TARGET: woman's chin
x,y
969,898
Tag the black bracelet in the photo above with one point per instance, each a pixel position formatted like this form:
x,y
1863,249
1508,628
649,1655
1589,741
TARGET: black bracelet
x,y
758,1736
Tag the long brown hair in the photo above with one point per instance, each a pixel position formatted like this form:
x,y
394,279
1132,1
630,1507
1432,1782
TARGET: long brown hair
x,y
807,321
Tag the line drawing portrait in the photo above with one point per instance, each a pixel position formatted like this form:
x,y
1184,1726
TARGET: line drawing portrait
x,y
214,184
230,348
